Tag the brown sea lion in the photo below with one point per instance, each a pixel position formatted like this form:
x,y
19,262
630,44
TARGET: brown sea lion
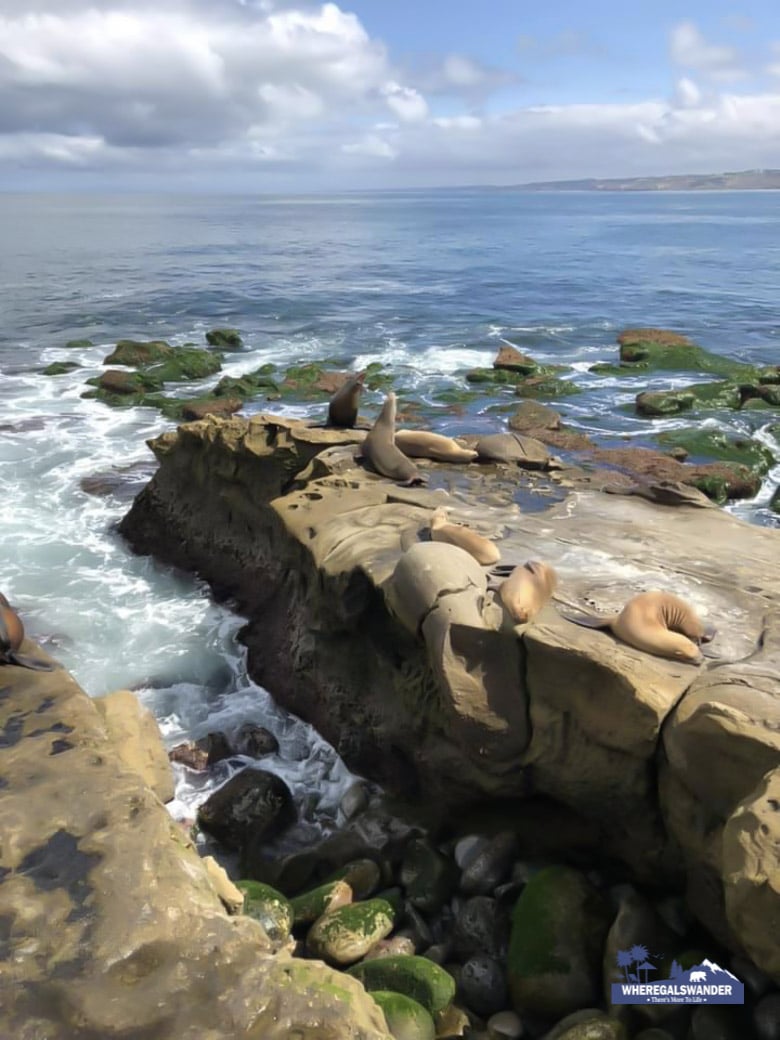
x,y
422,444
380,450
659,623
527,589
482,549
343,406
12,637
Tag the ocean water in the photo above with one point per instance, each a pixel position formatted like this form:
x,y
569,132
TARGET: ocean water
x,y
430,283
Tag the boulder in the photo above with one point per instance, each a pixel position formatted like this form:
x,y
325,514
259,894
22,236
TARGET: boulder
x,y
415,977
219,406
133,730
225,339
138,354
253,804
530,416
513,360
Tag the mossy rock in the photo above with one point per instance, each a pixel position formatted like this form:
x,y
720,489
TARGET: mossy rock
x,y
344,935
497,376
253,384
308,906
770,374
60,368
545,387
454,395
415,977
661,350
406,1019
227,339
269,907
362,875
653,403
588,1024
559,926
139,354
186,363
377,378
509,358
79,344
768,392
118,383
609,368
723,394
757,404
713,444
190,409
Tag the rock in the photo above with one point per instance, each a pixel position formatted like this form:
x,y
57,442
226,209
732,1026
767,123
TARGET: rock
x,y
185,363
510,358
468,848
398,946
133,729
251,384
232,897
515,448
545,387
636,928
489,866
506,1025
531,416
252,802
755,980
588,1024
225,339
654,403
190,755
79,344
136,354
483,984
415,977
654,1034
451,1023
558,930
766,1017
405,1018
714,444
362,875
659,349
344,935
355,800
117,381
310,905
255,741
269,907
718,1023
219,406
217,747
116,924
60,368
480,927
428,876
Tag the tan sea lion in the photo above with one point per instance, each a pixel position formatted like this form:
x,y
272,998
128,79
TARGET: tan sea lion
x,y
343,406
527,589
380,449
482,549
422,444
12,637
659,623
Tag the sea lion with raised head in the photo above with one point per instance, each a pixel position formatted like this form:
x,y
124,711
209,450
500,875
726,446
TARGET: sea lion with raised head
x,y
343,406
12,637
658,623
380,449
482,549
422,444
527,589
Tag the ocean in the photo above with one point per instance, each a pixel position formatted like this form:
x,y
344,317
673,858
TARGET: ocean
x,y
428,283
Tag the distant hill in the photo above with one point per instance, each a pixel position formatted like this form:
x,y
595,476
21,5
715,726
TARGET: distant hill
x,y
741,181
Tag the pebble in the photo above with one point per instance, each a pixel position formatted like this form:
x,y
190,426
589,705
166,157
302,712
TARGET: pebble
x,y
482,984
506,1025
468,848
489,866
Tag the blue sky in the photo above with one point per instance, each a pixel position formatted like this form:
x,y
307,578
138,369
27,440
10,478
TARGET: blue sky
x,y
278,95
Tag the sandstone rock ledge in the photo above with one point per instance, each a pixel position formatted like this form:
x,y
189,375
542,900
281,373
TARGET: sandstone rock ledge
x,y
423,685
111,926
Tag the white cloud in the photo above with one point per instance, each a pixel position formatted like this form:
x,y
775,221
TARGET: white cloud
x,y
690,50
371,145
405,102
687,94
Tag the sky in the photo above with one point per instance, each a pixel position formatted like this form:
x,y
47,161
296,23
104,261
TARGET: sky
x,y
286,95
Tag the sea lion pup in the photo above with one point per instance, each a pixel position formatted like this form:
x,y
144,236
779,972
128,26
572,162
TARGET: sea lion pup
x,y
380,450
482,549
12,637
659,623
343,406
527,589
422,444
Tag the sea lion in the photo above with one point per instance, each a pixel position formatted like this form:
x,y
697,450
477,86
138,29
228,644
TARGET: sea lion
x,y
422,444
527,589
659,623
380,450
482,549
343,406
12,637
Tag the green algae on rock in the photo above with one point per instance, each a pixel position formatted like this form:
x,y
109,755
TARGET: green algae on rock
x,y
559,925
664,402
344,935
273,910
662,350
185,363
308,906
415,977
707,443
406,1019
60,368
227,339
362,875
251,384
137,353
511,359
79,344
542,387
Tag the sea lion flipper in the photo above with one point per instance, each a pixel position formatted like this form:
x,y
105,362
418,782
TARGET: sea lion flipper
x,y
708,634
586,620
23,661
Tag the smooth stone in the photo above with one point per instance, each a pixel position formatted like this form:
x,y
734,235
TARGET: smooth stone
x,y
269,907
255,741
362,875
217,747
417,977
766,1017
718,1023
587,1024
506,1025
406,1019
479,927
398,946
252,803
355,800
308,906
231,895
451,1023
490,866
439,953
466,849
483,984
417,927
343,936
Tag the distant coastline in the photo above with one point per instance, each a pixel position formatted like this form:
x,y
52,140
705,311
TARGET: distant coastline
x,y
744,180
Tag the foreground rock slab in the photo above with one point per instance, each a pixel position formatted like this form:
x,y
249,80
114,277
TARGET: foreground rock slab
x,y
418,678
112,924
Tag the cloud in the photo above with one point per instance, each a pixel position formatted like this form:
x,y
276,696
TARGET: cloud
x,y
690,50
687,94
405,102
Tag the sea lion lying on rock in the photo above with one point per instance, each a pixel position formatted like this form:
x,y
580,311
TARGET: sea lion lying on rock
x,y
422,444
659,623
12,637
482,549
343,406
380,450
528,588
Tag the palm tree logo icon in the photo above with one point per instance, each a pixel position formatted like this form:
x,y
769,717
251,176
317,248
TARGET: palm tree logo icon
x,y
636,955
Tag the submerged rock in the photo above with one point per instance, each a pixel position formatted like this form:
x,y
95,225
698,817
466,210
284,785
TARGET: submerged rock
x,y
60,368
226,339
253,803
